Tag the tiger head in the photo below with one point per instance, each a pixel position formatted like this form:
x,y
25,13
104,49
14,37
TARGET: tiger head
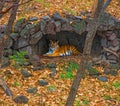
x,y
53,45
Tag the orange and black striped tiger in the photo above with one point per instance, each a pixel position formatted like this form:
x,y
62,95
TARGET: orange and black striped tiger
x,y
56,50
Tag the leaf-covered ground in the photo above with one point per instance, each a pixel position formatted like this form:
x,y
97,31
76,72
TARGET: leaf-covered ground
x,y
92,92
42,8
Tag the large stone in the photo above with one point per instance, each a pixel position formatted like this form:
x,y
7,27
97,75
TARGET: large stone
x,y
110,71
27,31
32,90
9,43
42,25
21,99
31,28
37,27
22,42
33,19
25,73
37,66
117,23
56,16
42,82
5,62
35,37
8,52
28,49
53,72
103,78
14,36
46,18
66,27
113,72
115,42
112,37
107,22
50,28
79,26
2,30
19,25
58,26
106,71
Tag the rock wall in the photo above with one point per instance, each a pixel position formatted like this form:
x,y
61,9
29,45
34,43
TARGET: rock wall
x,y
33,35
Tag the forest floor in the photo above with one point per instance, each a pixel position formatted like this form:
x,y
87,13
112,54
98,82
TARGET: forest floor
x,y
91,92
59,76
40,8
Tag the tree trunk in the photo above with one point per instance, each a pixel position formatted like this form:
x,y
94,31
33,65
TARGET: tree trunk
x,y
92,28
2,2
12,17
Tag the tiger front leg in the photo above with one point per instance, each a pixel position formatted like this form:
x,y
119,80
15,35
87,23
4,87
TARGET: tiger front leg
x,y
48,55
52,54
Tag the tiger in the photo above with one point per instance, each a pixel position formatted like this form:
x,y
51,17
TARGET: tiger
x,y
56,50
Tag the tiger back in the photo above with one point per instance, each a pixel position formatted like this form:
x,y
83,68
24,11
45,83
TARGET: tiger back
x,y
56,50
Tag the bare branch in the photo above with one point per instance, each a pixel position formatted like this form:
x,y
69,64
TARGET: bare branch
x,y
114,53
8,9
106,5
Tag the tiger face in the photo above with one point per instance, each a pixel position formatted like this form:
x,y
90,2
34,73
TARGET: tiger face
x,y
53,45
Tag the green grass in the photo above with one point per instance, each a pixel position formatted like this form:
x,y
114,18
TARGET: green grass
x,y
16,84
116,84
51,88
85,102
67,69
44,3
67,75
77,103
37,94
18,58
69,10
107,97
40,1
1,102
